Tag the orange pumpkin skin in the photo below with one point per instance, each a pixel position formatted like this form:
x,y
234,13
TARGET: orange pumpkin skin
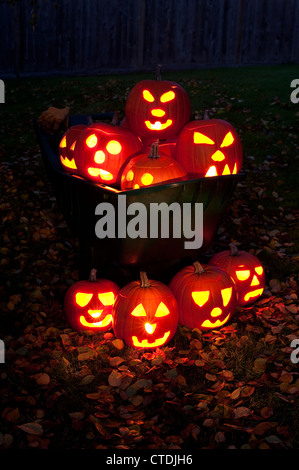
x,y
145,314
88,304
157,109
67,148
209,147
103,150
206,296
148,170
246,271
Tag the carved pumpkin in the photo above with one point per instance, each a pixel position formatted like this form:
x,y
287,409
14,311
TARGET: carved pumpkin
x,y
209,147
67,147
148,170
246,271
206,296
103,150
88,304
145,314
157,109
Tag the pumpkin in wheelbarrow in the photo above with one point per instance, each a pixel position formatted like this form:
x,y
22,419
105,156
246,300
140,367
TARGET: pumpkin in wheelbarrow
x,y
209,147
103,150
157,109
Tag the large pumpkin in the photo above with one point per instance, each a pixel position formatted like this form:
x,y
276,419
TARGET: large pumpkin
x,y
102,151
88,304
206,296
209,147
67,148
145,314
246,271
150,169
157,109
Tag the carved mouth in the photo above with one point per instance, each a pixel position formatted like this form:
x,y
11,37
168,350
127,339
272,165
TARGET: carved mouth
x,y
216,324
98,324
253,294
145,343
158,125
212,171
68,163
105,175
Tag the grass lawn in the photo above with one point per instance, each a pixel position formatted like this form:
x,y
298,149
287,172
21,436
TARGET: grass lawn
x,y
233,387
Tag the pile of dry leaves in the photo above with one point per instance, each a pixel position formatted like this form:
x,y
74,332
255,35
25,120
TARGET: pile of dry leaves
x,y
235,387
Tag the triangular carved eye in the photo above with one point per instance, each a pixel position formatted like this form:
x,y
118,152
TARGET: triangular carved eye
x,y
201,297
228,140
259,270
162,310
63,142
139,311
107,298
199,138
226,295
83,299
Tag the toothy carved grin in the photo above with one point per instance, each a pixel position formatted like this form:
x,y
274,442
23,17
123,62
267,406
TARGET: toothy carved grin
x,y
158,126
105,175
212,171
145,344
68,163
216,324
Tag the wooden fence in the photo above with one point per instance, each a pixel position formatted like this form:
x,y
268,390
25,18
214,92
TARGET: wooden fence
x,y
98,36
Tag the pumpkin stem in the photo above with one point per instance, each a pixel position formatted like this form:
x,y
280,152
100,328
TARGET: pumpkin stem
x,y
206,115
234,250
144,282
115,118
93,275
198,269
154,152
158,72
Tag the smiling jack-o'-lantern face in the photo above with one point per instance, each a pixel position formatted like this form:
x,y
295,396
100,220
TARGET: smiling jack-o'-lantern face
x,y
246,271
157,109
67,147
102,151
206,296
88,305
145,314
210,148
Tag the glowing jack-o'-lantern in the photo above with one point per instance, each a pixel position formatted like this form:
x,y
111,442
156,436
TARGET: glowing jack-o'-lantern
x,y
145,314
206,296
147,170
209,147
103,150
157,109
67,147
88,304
246,271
